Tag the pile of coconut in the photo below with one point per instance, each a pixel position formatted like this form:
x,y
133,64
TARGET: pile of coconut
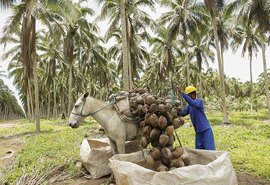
x,y
159,119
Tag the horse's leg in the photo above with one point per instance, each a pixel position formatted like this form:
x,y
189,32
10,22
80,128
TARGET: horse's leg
x,y
113,147
120,146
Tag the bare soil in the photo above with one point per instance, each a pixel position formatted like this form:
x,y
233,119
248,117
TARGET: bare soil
x,y
11,145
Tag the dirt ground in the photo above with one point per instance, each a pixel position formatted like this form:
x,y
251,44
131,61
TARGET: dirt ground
x,y
11,145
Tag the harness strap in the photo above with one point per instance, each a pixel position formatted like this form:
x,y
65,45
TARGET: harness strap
x,y
91,114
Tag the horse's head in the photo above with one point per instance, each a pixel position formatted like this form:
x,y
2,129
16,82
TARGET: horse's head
x,y
78,112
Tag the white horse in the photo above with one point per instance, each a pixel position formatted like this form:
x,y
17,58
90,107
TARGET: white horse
x,y
104,113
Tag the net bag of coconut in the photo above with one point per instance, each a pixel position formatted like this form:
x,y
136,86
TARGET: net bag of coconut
x,y
205,168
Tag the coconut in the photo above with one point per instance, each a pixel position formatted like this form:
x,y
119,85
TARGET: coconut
x,y
140,109
150,161
176,123
185,158
160,100
133,104
174,163
175,155
174,113
154,134
154,120
139,100
147,119
144,142
169,117
171,140
157,164
147,130
162,122
165,161
153,107
150,100
177,103
162,108
156,154
141,123
182,121
168,100
144,109
166,152
135,113
177,162
162,168
169,107
169,130
179,150
132,94
163,139
154,143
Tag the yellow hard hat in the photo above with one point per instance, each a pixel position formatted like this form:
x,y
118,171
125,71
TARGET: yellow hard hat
x,y
190,89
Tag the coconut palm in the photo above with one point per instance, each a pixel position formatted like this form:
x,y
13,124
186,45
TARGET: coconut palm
x,y
133,21
182,19
257,12
159,75
247,37
28,12
215,9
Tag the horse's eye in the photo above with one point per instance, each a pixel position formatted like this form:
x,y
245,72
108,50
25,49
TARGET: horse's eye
x,y
76,106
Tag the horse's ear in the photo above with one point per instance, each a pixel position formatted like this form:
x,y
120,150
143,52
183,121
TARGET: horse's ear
x,y
85,95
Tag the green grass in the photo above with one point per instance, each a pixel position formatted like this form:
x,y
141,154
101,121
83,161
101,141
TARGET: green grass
x,y
56,144
247,140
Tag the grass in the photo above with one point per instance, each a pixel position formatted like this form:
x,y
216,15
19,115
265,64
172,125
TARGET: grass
x,y
55,145
247,140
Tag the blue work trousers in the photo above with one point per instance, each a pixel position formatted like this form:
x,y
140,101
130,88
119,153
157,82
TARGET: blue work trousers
x,y
205,140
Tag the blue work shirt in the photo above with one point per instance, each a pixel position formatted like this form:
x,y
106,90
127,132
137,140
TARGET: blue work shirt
x,y
195,109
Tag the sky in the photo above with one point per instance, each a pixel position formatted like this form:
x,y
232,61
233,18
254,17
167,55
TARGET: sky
x,y
234,64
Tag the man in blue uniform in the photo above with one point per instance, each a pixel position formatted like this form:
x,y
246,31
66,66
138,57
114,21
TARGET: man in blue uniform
x,y
195,108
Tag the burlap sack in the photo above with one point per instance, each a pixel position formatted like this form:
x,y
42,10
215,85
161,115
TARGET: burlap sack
x,y
207,168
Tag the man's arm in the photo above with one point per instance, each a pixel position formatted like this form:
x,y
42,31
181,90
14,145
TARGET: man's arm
x,y
185,111
193,103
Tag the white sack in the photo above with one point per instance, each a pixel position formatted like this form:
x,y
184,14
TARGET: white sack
x,y
206,168
95,154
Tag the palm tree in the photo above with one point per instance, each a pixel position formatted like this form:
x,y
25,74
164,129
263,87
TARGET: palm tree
x,y
28,12
257,12
213,8
132,20
247,36
182,19
6,3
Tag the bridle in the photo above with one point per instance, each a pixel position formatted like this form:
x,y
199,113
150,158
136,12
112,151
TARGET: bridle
x,y
92,113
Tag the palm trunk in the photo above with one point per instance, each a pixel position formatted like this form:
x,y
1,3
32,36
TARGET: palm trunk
x,y
265,74
251,82
34,61
49,106
28,113
31,101
69,89
129,58
187,62
221,75
125,47
54,100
